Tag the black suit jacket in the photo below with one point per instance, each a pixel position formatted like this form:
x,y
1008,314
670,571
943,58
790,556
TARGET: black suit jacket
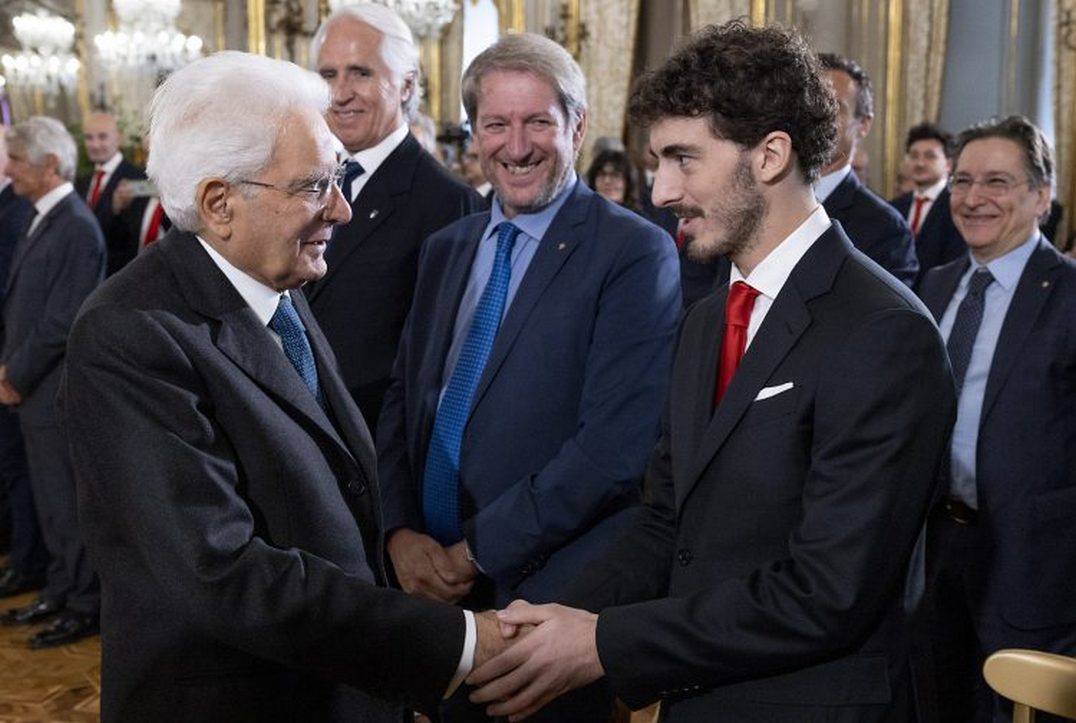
x,y
938,242
363,300
874,227
1026,454
234,523
768,569
120,244
52,271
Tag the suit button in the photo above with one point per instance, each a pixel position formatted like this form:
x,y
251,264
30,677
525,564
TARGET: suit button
x,y
356,487
684,556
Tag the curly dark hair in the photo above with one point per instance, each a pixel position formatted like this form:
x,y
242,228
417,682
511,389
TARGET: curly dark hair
x,y
746,82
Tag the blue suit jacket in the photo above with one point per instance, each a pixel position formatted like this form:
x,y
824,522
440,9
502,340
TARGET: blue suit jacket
x,y
1026,453
938,242
14,215
874,227
52,272
567,408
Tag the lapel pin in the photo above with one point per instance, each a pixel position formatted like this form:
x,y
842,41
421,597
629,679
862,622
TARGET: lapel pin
x,y
1045,284
373,214
561,246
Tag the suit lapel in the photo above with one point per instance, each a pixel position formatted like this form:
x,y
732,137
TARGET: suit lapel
x,y
27,241
937,293
375,204
1032,290
558,244
843,195
241,336
785,323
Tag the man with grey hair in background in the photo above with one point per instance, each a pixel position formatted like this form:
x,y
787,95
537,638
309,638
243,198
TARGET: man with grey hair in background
x,y
528,386
399,194
57,262
227,482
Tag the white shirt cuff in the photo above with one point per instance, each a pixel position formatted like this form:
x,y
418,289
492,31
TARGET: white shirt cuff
x,y
470,642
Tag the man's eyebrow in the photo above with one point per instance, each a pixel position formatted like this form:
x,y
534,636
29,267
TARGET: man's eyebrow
x,y
678,149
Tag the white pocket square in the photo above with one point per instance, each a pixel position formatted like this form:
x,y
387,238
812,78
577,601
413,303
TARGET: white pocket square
x,y
767,392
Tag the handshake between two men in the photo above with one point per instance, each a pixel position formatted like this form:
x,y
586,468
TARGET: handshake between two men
x,y
527,655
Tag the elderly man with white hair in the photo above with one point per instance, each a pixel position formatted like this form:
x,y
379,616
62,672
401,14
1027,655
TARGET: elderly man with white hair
x,y
228,489
57,262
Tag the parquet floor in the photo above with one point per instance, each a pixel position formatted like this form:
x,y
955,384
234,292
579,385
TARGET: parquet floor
x,y
58,685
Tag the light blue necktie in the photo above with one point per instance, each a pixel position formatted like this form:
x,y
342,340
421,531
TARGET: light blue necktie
x,y
440,498
287,324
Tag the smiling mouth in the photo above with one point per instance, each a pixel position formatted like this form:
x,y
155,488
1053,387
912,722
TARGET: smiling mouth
x,y
519,169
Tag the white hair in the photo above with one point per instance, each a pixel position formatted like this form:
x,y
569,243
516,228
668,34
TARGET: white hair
x,y
398,48
220,117
39,136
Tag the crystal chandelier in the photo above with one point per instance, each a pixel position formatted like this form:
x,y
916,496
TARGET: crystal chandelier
x,y
45,61
424,17
147,38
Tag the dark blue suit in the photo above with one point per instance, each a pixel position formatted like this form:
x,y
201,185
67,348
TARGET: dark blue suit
x,y
874,227
26,553
53,270
567,408
1021,563
938,242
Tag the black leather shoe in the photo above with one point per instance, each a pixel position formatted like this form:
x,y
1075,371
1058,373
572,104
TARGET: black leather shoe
x,y
35,612
67,627
12,583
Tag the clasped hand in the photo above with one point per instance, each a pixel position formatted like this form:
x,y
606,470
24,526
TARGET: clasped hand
x,y
556,652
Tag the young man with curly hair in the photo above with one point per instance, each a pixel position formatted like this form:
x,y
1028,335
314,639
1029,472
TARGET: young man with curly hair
x,y
766,578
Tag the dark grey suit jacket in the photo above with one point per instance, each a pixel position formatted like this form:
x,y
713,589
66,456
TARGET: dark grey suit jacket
x,y
363,300
234,523
769,565
52,272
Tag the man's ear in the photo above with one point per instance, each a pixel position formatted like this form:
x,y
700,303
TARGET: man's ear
x,y
773,157
214,201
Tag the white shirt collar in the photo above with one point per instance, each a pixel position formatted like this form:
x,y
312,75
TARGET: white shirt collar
x,y
110,165
47,202
4,183
933,191
828,183
773,271
259,297
371,158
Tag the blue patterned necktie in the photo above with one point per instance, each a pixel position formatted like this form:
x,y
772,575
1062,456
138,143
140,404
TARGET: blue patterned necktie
x,y
440,498
969,315
352,170
289,327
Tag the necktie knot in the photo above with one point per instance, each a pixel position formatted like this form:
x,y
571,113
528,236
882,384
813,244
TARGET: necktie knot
x,y
506,238
740,303
352,170
979,281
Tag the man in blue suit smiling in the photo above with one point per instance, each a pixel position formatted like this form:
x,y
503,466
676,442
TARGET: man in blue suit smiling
x,y
527,388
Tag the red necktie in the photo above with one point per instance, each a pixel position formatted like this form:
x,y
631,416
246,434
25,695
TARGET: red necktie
x,y
154,226
738,306
95,192
917,214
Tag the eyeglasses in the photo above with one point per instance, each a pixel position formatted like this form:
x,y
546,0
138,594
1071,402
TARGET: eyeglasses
x,y
317,190
991,186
